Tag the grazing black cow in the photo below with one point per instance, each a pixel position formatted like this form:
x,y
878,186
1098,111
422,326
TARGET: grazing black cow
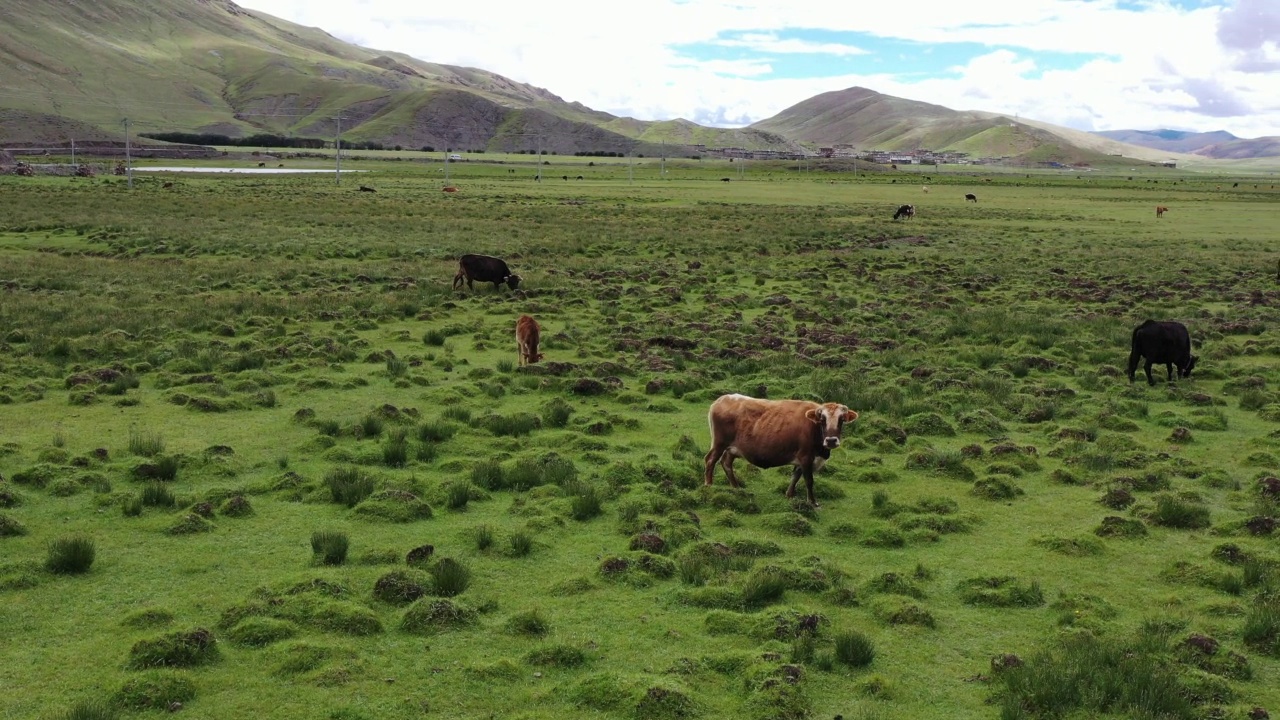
x,y
1162,342
579,177
366,188
905,211
724,179
970,197
485,269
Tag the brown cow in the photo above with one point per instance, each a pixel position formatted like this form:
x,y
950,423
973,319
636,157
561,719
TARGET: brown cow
x,y
773,433
527,336
1161,210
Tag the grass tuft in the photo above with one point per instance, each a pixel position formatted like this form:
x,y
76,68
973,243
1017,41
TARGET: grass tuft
x,y
854,649
348,486
451,577
330,546
70,555
145,444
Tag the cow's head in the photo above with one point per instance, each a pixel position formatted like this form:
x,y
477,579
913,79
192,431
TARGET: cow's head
x,y
1191,363
830,418
512,281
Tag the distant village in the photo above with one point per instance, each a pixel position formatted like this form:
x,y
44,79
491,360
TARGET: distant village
x,y
895,157
885,157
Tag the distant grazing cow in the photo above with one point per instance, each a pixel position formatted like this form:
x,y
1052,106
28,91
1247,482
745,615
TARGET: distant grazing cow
x,y
449,189
905,211
724,179
1235,185
1164,342
527,336
970,197
1161,210
262,164
167,185
774,433
280,165
485,269
579,177
366,188
566,178
925,188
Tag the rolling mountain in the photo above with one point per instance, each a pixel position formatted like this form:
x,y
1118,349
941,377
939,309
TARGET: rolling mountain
x,y
1219,144
870,120
77,68
1170,140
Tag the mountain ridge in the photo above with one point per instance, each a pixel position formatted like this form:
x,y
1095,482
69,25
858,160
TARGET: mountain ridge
x,y
1218,144
214,67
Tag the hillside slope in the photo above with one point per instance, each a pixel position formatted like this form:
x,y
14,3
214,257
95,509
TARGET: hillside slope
x,y
870,120
1168,140
209,66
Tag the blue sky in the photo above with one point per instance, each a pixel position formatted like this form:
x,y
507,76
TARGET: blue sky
x,y
1087,64
816,53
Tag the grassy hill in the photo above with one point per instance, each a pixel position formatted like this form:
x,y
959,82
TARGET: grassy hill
x,y
1169,140
211,66
1243,149
870,120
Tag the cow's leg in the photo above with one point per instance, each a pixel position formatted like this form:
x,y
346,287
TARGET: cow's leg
x,y
471,283
1134,358
713,457
808,484
1168,368
795,478
1147,369
726,461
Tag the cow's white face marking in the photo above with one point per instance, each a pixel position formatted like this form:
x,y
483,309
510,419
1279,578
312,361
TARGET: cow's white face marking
x,y
831,418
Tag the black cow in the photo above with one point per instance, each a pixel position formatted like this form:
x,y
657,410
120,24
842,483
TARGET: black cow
x,y
1162,342
970,197
485,269
906,211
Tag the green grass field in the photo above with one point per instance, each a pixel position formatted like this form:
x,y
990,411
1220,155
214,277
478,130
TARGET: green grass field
x,y
255,396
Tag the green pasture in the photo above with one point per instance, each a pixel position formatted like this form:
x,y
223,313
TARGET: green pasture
x,y
196,380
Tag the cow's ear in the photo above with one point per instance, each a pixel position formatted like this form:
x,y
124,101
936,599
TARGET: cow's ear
x,y
813,415
850,415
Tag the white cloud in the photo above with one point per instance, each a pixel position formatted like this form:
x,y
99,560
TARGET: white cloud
x,y
770,42
1212,67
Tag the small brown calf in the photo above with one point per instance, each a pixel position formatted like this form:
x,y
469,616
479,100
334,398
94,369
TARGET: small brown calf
x,y
528,334
1161,210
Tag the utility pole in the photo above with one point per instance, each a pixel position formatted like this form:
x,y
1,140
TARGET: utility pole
x,y
337,147
128,154
446,165
73,152
630,177
663,169
539,158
